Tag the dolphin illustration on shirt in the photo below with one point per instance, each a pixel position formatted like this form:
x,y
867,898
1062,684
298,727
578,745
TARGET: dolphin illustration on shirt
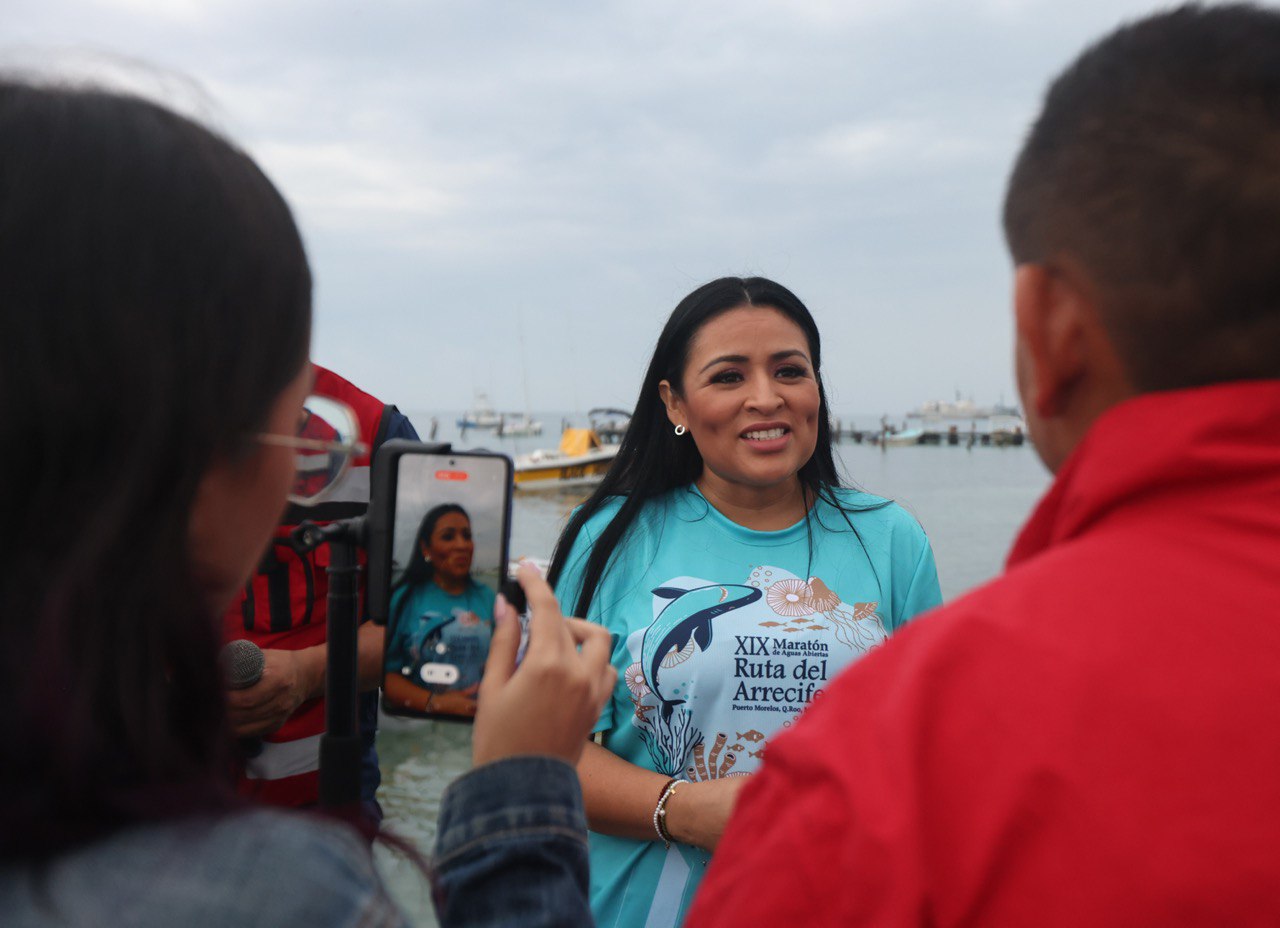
x,y
687,616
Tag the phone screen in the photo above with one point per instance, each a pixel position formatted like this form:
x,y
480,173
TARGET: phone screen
x,y
448,560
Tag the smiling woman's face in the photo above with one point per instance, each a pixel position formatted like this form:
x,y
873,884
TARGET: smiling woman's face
x,y
749,397
451,548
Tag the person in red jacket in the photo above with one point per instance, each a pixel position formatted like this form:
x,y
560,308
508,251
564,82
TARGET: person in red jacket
x,y
283,610
1094,737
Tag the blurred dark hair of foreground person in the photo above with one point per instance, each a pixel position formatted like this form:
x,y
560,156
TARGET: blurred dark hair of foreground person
x,y
157,314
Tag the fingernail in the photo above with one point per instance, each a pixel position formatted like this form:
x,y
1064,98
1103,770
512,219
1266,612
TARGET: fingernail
x,y
530,565
501,610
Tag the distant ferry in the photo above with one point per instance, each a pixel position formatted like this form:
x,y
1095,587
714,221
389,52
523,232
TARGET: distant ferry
x,y
960,409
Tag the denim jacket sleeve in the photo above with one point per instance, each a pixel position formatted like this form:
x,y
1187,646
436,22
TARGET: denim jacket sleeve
x,y
511,847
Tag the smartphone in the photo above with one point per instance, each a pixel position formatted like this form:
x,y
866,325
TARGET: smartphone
x,y
439,528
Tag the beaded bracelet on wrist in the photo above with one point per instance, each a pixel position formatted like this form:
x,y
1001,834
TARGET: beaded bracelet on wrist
x,y
660,812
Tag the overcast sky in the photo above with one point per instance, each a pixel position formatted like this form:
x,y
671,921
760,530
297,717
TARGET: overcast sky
x,y
495,193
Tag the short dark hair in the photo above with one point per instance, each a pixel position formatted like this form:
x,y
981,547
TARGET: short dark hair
x,y
1155,164
157,301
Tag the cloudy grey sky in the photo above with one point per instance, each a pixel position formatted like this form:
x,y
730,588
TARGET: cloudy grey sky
x,y
495,191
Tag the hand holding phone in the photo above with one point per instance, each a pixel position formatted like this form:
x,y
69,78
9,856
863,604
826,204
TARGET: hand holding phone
x,y
549,704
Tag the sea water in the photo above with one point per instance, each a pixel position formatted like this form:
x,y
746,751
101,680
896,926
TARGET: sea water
x,y
971,501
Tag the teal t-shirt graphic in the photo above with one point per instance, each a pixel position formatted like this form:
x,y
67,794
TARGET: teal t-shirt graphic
x,y
722,635
432,626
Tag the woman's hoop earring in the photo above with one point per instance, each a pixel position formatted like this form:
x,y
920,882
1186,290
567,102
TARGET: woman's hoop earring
x,y
680,430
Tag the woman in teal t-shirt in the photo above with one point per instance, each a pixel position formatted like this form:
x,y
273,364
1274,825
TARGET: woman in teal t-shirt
x,y
439,616
737,576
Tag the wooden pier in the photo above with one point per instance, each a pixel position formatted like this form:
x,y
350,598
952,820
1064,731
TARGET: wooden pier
x,y
953,436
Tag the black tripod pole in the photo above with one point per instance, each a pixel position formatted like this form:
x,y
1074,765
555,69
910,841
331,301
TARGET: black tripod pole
x,y
340,746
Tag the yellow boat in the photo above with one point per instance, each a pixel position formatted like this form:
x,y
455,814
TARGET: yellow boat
x,y
581,458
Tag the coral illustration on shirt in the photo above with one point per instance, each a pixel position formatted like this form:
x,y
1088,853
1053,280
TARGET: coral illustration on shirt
x,y
704,656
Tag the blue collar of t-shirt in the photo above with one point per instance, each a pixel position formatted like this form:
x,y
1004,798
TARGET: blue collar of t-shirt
x,y
692,506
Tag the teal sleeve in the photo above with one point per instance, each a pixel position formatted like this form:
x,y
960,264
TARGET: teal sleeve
x,y
923,592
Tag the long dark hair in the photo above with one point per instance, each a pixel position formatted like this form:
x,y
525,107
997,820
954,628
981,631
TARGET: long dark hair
x,y
652,460
157,301
420,570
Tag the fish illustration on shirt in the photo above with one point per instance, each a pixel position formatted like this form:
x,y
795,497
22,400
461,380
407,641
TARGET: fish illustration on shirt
x,y
688,617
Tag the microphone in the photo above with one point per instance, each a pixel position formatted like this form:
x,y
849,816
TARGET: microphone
x,y
242,665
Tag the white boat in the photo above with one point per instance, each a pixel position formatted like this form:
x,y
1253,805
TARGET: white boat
x,y
481,416
581,459
903,437
519,425
609,424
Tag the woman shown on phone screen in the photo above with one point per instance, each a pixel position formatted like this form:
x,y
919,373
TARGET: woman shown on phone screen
x,y
441,618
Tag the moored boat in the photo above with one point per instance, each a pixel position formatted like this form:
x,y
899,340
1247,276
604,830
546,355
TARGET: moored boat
x,y
1008,430
580,459
481,416
609,424
519,425
903,437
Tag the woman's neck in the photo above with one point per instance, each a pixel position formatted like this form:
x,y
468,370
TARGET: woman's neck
x,y
761,509
451,585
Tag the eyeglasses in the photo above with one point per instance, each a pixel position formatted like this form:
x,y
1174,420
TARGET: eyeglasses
x,y
325,443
